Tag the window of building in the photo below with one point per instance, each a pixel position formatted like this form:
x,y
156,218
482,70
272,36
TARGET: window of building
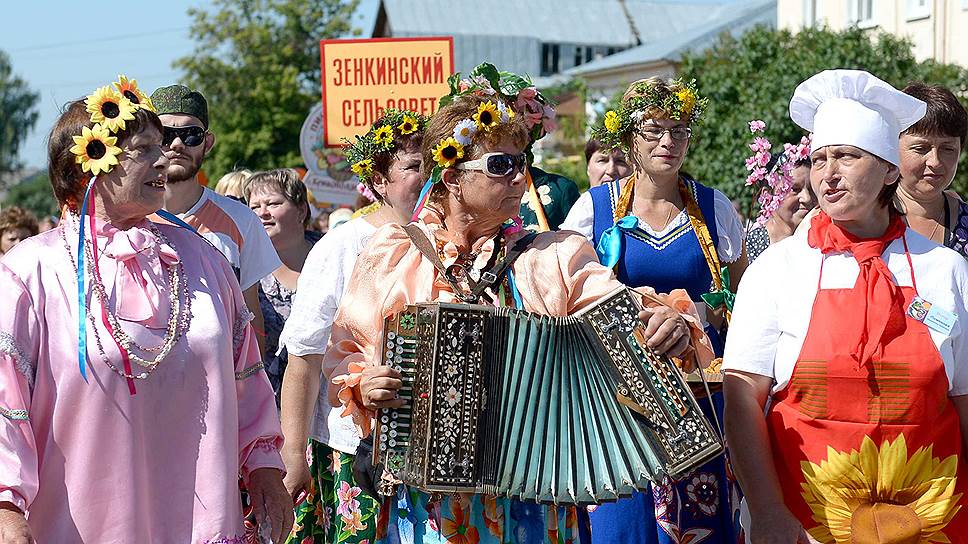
x,y
918,9
550,59
861,13
964,4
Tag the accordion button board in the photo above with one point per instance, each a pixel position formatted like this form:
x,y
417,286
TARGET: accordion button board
x,y
562,410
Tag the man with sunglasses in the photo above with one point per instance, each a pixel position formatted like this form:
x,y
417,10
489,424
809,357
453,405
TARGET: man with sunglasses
x,y
228,224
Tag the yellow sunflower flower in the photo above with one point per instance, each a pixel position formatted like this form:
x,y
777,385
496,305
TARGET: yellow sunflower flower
x,y
688,100
383,136
408,126
363,169
487,116
447,152
130,90
612,122
109,108
96,150
852,492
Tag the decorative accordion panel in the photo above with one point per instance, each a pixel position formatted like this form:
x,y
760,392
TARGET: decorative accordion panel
x,y
572,410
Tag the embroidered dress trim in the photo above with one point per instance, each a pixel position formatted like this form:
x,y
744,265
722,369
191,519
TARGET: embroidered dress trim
x,y
9,346
238,328
245,373
226,540
14,415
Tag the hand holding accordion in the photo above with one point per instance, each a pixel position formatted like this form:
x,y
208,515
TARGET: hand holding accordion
x,y
567,410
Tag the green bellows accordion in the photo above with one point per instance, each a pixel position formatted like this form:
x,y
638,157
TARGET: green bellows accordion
x,y
564,410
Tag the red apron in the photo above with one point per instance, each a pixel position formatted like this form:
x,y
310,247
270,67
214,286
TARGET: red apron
x,y
847,438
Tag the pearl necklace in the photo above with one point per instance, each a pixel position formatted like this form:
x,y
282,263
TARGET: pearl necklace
x,y
178,320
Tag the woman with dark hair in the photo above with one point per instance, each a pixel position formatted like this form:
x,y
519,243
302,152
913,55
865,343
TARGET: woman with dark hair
x,y
847,357
387,161
281,201
792,209
16,225
605,165
930,151
131,391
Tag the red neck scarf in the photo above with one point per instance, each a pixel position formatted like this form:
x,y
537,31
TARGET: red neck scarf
x,y
876,302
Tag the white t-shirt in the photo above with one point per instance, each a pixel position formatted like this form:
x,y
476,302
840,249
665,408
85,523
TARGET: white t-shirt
x,y
581,219
318,293
237,232
775,300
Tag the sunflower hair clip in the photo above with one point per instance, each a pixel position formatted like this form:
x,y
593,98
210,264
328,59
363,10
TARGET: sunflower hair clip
x,y
380,138
110,107
679,100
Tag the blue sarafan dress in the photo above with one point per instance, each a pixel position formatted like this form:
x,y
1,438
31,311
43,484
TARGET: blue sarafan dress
x,y
698,507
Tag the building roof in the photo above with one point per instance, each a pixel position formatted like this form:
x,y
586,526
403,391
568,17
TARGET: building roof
x,y
735,19
580,22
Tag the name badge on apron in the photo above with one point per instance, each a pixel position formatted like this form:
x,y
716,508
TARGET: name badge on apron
x,y
934,317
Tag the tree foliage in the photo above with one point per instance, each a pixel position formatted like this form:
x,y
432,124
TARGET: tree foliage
x,y
35,194
17,115
754,76
257,63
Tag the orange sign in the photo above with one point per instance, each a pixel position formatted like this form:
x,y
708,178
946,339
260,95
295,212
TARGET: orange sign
x,y
361,78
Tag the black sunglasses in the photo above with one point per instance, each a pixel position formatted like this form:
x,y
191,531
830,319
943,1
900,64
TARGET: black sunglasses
x,y
191,136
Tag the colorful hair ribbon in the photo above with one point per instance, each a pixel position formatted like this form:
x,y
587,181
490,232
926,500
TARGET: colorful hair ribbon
x,y
423,198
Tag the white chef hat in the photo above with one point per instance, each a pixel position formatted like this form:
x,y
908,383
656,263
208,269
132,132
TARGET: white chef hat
x,y
852,107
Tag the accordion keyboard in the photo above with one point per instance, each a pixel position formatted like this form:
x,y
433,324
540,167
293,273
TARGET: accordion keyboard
x,y
394,429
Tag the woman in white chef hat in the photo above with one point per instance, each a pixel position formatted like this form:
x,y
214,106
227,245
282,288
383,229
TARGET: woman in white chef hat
x,y
851,337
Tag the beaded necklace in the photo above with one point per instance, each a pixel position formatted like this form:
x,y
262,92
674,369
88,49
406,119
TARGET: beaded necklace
x,y
178,320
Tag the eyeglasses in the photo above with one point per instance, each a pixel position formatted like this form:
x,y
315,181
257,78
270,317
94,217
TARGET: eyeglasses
x,y
496,165
654,134
191,136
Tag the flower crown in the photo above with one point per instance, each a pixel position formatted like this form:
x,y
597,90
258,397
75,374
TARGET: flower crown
x,y
449,150
779,178
380,138
681,102
110,107
518,91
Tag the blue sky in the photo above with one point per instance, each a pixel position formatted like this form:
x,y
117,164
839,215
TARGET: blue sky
x,y
53,48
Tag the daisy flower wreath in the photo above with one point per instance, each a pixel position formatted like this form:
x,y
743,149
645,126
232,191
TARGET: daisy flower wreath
x,y
509,90
361,152
679,100
489,115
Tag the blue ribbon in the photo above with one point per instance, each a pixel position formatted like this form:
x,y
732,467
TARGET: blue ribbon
x,y
518,303
609,248
82,286
174,220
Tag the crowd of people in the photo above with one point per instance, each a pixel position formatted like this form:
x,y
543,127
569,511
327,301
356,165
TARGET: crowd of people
x,y
182,364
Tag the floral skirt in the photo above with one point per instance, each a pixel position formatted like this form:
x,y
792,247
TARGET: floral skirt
x,y
415,517
702,506
335,511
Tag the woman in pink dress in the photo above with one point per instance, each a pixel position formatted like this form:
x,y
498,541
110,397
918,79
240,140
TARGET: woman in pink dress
x,y
129,417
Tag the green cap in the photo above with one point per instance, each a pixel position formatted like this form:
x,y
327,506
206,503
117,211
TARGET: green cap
x,y
181,99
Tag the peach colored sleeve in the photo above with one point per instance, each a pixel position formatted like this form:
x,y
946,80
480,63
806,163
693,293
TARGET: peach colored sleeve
x,y
387,277
586,281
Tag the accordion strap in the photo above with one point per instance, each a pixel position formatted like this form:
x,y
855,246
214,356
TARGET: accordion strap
x,y
488,278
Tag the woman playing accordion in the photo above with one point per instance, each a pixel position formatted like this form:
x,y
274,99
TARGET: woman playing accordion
x,y
473,155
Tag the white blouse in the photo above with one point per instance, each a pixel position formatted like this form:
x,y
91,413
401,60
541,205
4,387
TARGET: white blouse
x,y
775,302
729,228
322,282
